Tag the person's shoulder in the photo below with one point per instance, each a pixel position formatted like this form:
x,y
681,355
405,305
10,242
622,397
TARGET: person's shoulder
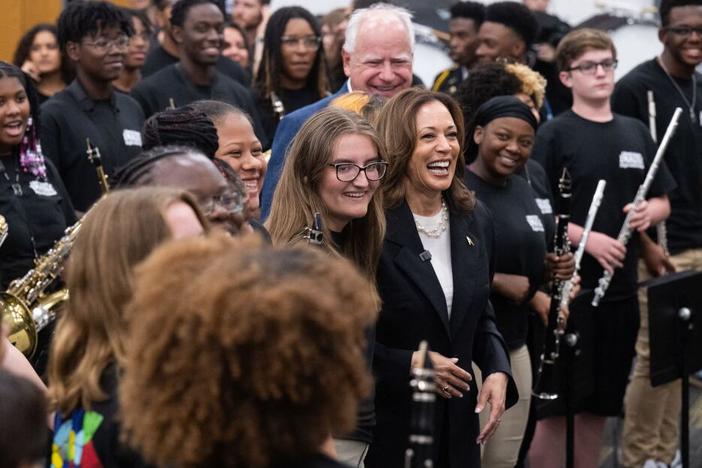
x,y
443,77
629,123
125,101
307,111
57,103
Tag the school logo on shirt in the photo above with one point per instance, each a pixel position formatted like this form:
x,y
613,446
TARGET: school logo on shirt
x,y
45,189
131,137
544,205
630,160
535,223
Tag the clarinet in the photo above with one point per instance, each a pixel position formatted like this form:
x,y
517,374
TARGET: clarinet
x,y
96,160
625,232
661,231
420,452
561,246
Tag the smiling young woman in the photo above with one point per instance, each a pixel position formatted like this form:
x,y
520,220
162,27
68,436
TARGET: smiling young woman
x,y
292,72
33,199
335,167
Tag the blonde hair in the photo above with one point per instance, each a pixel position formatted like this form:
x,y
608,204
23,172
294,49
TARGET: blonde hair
x,y
533,84
115,235
397,127
359,102
257,359
296,197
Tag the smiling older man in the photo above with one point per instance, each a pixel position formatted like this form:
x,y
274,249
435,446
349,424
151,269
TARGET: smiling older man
x,y
377,57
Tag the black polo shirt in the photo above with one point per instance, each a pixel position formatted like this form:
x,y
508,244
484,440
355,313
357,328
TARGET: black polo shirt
x,y
158,59
113,126
171,86
37,214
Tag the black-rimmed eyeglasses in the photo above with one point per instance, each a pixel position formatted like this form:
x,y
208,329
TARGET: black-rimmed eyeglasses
x,y
346,172
684,31
590,68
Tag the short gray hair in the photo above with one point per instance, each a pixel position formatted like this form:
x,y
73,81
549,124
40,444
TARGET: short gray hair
x,y
386,13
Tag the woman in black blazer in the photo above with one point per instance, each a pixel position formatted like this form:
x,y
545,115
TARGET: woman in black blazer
x,y
434,280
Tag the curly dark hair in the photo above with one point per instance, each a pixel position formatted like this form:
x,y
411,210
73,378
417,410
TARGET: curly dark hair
x,y
256,360
667,5
271,67
82,19
469,10
24,47
484,82
515,16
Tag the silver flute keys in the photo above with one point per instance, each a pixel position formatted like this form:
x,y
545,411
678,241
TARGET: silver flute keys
x,y
625,231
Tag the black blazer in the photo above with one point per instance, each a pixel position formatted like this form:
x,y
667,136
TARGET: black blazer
x,y
414,309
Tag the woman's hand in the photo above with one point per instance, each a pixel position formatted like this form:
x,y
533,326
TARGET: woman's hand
x,y
513,287
493,392
562,267
30,69
451,380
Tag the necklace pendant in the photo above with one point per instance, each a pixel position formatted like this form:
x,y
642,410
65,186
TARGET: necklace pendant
x,y
693,117
17,190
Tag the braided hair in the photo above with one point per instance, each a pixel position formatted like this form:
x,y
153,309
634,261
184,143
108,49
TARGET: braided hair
x,y
183,126
138,171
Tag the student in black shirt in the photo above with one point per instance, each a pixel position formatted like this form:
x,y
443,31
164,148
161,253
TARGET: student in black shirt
x,y
292,72
95,36
164,50
197,27
651,418
502,136
33,200
593,143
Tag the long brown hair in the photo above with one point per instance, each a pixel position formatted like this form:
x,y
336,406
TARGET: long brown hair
x,y
296,198
397,127
115,235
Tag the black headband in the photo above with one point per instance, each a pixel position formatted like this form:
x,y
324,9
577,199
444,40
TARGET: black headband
x,y
504,106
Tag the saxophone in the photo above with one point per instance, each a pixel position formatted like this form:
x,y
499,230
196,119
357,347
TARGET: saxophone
x,y
25,306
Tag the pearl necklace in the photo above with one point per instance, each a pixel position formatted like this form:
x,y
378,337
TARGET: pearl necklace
x,y
437,230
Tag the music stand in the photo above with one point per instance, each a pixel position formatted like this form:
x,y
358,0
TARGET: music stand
x,y
675,314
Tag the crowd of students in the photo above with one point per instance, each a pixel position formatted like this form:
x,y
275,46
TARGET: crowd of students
x,y
290,212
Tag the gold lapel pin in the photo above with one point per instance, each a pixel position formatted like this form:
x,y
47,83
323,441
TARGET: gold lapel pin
x,y
470,241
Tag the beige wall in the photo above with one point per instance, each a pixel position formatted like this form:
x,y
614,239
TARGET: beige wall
x,y
17,16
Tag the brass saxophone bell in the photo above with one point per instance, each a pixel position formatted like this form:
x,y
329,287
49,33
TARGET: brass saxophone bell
x,y
23,332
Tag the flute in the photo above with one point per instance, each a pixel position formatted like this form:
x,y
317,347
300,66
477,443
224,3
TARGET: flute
x,y
587,228
625,231
661,231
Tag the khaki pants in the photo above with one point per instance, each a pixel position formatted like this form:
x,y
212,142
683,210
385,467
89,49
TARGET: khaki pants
x,y
652,414
502,449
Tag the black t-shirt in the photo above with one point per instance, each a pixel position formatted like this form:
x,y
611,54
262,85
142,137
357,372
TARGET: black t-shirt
x,y
619,151
36,219
158,59
99,429
171,86
535,175
292,100
113,126
684,153
520,247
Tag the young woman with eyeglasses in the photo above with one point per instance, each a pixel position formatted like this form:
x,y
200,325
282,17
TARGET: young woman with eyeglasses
x,y
334,168
292,72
